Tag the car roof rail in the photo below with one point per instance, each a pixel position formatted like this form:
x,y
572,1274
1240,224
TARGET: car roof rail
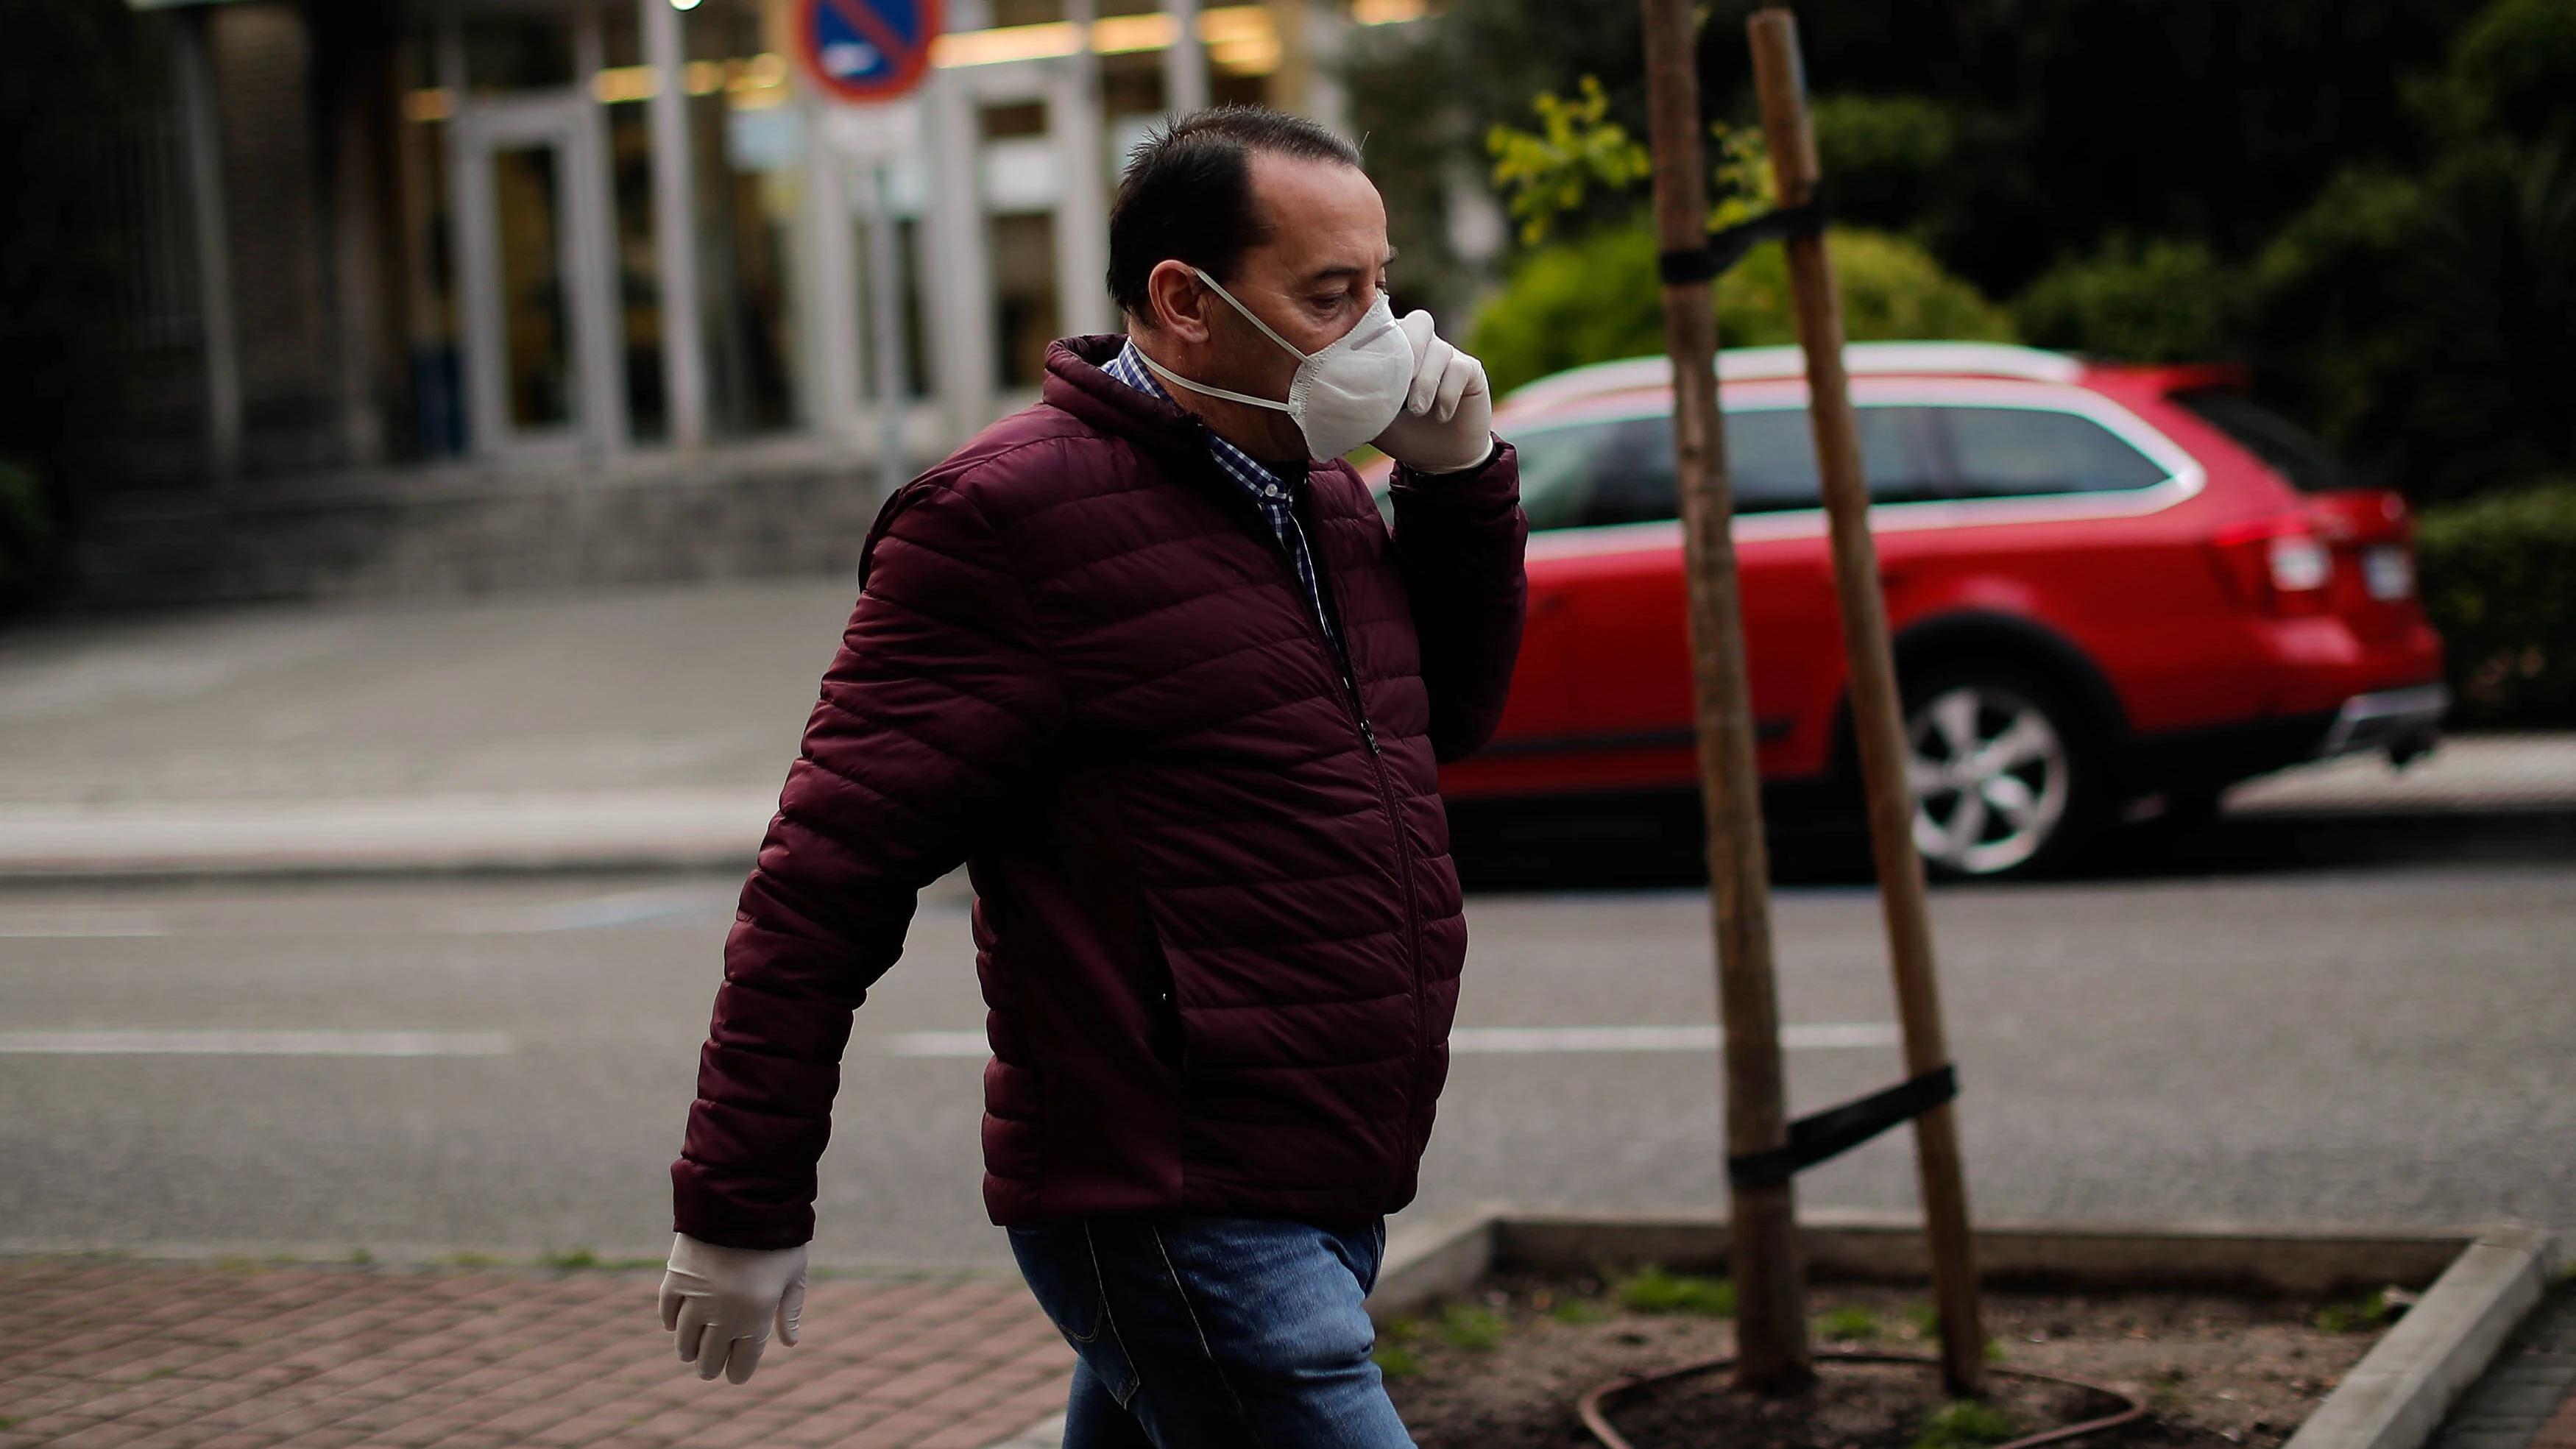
x,y
1754,364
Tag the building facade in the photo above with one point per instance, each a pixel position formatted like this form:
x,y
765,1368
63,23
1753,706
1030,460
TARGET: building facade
x,y
558,236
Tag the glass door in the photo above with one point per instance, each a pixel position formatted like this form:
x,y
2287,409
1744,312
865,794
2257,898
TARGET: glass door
x,y
532,233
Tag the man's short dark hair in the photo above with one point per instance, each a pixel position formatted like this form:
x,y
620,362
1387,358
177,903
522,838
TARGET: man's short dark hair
x,y
1187,194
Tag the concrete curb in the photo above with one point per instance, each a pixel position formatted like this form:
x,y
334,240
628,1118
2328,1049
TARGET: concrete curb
x,y
1432,1260
2396,1397
2482,1282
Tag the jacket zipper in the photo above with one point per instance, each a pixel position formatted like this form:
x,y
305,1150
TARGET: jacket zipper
x,y
1386,800
1339,651
1395,825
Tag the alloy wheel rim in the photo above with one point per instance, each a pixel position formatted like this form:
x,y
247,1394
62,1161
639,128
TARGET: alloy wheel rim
x,y
1990,776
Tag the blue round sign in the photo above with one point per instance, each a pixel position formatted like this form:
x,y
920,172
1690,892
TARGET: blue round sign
x,y
866,50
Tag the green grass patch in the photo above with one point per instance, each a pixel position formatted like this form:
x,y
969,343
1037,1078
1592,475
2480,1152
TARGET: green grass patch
x,y
1925,1316
1578,1311
1850,1323
2356,1315
1966,1424
1652,1290
1396,1361
1393,1356
1472,1327
2165,1396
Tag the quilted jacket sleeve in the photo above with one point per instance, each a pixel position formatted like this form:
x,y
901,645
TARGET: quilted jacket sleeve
x,y
936,707
1460,539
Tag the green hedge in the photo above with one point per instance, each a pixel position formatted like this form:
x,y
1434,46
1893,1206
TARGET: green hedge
x,y
2500,582
1597,299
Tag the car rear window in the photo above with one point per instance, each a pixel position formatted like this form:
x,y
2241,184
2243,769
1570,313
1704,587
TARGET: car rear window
x,y
1588,475
2284,446
2025,452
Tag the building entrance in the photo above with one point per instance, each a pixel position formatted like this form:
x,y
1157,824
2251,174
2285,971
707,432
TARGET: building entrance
x,y
531,219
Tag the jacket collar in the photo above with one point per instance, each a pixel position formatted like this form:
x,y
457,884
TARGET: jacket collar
x,y
1076,383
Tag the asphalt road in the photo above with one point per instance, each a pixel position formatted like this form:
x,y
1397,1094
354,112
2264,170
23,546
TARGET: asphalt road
x,y
416,1068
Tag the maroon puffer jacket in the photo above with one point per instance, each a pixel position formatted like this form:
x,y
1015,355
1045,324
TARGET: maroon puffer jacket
x,y
1219,936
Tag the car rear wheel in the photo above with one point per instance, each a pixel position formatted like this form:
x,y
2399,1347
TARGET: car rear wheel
x,y
2002,770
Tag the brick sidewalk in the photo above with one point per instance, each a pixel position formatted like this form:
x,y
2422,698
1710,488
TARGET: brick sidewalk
x,y
101,1354
2526,1399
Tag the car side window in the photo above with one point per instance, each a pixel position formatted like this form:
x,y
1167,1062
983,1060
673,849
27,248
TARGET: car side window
x,y
2026,452
1771,455
1557,472
1590,475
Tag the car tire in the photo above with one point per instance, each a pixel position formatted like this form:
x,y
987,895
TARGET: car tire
x,y
2007,773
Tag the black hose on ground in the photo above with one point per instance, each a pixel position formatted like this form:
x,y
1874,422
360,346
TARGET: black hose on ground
x,y
1594,1405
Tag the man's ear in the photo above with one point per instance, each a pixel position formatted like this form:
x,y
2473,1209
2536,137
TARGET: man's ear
x,y
1177,303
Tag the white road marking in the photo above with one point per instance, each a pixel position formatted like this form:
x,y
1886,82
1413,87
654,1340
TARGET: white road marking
x,y
112,1043
1514,1040
593,913
938,1044
67,925
1547,1040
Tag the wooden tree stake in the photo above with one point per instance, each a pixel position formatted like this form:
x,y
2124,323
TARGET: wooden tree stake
x,y
1877,722
1770,1282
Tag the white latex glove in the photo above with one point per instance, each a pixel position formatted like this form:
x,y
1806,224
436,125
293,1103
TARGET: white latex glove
x,y
721,1303
1447,424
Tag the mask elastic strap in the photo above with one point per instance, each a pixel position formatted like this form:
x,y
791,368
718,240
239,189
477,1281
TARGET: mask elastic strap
x,y
1177,380
1249,317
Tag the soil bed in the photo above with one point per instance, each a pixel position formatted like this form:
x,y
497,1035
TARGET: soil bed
x,y
1504,1371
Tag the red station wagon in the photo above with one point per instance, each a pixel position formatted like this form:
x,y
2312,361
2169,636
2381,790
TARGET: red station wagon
x,y
2114,592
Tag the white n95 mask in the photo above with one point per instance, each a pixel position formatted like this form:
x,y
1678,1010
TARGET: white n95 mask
x,y
1343,395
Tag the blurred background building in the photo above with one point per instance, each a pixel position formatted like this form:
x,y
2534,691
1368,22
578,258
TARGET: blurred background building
x,y
396,258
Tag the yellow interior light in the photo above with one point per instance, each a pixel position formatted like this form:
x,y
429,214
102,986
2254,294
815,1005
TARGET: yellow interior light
x,y
1124,34
703,77
625,83
1386,12
436,103
1241,39
1009,42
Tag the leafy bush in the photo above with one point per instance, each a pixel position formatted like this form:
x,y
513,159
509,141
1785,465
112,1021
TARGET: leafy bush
x,y
1886,154
2163,300
2499,579
1597,299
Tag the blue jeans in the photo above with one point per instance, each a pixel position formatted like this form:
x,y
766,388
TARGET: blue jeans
x,y
1214,1333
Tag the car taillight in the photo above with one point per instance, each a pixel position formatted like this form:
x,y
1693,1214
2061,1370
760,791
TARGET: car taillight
x,y
2300,564
2389,571
2277,564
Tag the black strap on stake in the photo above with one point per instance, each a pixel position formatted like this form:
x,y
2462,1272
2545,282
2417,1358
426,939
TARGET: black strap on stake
x,y
1726,247
1837,1130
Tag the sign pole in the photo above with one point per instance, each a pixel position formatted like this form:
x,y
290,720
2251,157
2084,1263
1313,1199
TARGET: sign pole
x,y
1877,724
885,321
1771,1298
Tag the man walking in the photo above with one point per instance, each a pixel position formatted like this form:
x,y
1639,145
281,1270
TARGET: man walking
x,y
1148,660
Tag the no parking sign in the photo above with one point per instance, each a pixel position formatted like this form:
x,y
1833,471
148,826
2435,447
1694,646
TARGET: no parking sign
x,y
866,50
